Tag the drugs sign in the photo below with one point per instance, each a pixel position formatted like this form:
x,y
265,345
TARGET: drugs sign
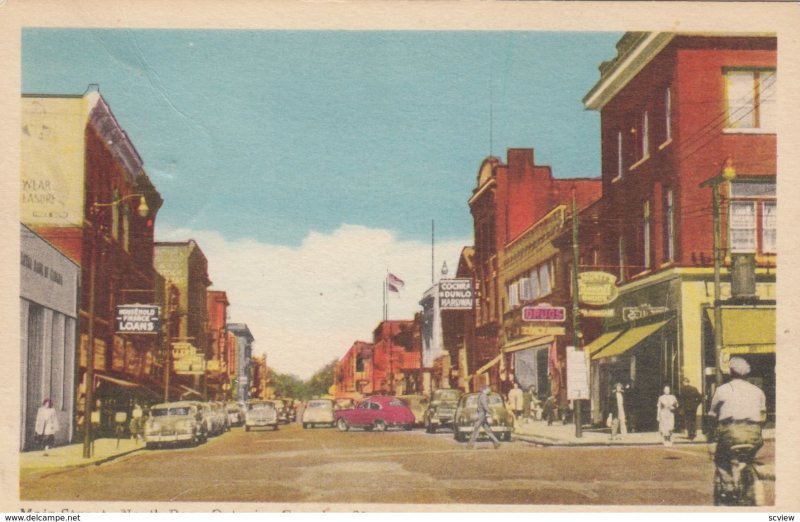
x,y
138,319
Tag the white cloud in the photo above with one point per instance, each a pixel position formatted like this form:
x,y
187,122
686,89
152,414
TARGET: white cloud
x,y
306,305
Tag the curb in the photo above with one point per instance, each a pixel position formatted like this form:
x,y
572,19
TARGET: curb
x,y
81,464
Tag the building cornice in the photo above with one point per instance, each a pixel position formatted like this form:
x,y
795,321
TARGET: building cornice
x,y
625,67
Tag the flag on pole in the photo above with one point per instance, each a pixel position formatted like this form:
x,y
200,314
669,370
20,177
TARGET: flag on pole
x,y
394,283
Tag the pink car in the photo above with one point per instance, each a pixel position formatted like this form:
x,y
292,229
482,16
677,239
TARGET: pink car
x,y
378,413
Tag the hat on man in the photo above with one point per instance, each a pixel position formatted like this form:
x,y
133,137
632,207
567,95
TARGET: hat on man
x,y
739,366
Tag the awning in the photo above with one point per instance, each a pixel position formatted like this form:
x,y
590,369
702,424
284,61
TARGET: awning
x,y
629,339
747,330
118,382
488,365
601,342
527,343
189,392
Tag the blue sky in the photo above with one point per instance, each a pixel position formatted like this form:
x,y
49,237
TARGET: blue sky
x,y
308,164
270,134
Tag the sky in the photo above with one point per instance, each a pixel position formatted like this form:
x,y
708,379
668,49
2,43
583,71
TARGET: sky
x,y
307,164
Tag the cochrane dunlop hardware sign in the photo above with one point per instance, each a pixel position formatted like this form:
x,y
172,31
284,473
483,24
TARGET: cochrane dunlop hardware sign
x,y
138,319
455,294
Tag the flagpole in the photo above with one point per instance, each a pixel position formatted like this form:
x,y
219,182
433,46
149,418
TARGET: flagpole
x,y
432,248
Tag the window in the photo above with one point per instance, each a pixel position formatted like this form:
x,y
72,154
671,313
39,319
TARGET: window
x,y
769,221
750,99
532,285
620,161
544,279
645,136
126,229
115,217
669,226
621,245
513,295
752,218
646,235
743,226
668,115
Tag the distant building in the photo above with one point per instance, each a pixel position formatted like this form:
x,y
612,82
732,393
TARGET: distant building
x,y
217,365
243,379
353,375
184,264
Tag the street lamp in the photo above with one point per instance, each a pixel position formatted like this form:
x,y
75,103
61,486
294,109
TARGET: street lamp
x,y
143,210
728,173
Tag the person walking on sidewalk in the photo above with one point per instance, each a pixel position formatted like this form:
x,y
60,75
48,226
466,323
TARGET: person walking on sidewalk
x,y
482,420
46,425
550,407
516,400
616,412
665,415
690,399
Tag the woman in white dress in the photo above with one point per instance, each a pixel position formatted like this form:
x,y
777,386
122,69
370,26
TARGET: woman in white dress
x,y
665,414
46,425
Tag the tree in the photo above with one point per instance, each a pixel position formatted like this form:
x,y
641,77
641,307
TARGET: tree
x,y
322,380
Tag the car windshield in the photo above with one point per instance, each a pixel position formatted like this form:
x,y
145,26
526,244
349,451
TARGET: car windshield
x,y
262,406
396,402
163,412
446,395
233,409
319,404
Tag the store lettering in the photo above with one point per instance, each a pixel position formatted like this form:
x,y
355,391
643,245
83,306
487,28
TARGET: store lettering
x,y
39,268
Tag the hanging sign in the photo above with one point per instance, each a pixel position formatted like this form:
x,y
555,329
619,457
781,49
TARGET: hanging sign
x,y
597,288
138,319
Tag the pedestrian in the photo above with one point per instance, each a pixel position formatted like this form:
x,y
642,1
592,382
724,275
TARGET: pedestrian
x,y
137,422
549,413
633,400
516,399
690,399
617,407
482,420
46,425
563,409
665,415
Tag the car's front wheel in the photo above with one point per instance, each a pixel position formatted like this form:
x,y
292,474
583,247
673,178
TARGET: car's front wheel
x,y
380,425
305,425
342,425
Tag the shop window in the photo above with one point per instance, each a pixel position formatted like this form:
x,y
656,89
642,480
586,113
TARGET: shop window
x,y
769,224
750,99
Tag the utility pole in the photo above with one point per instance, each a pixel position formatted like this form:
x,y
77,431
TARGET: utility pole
x,y
576,336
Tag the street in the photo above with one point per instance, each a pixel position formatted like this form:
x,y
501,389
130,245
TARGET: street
x,y
324,465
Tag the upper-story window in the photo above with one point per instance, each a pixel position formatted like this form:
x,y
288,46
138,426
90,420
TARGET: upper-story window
x,y
750,99
669,225
620,160
115,216
646,235
531,285
645,136
752,218
667,115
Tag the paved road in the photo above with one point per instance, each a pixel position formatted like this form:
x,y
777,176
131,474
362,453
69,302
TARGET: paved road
x,y
328,466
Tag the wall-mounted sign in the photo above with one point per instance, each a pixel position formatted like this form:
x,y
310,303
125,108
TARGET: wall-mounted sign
x,y
138,319
597,288
577,375
642,311
556,314
186,360
602,312
455,294
542,331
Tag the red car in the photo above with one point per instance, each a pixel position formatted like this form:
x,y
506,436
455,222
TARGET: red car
x,y
378,413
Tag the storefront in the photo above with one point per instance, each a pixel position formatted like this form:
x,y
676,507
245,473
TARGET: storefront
x,y
48,315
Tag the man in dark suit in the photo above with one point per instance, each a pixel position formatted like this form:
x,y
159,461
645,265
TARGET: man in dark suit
x,y
690,399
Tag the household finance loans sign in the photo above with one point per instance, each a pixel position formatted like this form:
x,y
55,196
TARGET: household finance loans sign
x,y
142,319
455,294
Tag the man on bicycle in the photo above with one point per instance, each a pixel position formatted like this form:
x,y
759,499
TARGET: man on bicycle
x,y
740,409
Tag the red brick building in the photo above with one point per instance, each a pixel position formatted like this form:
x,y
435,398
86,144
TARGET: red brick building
x,y
507,201
390,357
675,109
84,191
354,371
217,362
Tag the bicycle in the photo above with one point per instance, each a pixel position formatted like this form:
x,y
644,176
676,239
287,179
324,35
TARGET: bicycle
x,y
743,487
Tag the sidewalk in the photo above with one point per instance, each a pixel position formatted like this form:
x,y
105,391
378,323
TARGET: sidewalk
x,y
69,456
564,435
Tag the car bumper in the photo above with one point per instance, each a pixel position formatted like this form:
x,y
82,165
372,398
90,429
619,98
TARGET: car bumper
x,y
174,437
261,423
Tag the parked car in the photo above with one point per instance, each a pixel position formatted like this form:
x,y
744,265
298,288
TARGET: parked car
x,y
317,412
235,414
418,405
501,420
282,410
174,423
344,403
441,409
211,419
261,414
222,416
378,413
